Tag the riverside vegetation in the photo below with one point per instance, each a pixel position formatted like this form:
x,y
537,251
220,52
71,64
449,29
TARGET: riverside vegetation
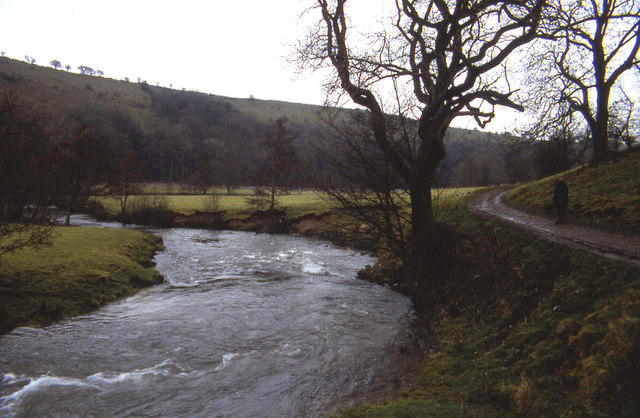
x,y
520,327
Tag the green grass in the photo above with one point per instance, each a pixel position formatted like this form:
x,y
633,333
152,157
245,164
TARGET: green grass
x,y
606,197
522,327
235,204
82,270
181,189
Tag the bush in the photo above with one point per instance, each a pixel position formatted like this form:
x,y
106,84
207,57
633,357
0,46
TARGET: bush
x,y
212,203
150,210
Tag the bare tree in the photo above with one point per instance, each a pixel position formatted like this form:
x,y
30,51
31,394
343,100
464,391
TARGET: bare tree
x,y
361,180
279,162
126,183
590,45
450,52
624,124
81,168
25,169
86,70
25,156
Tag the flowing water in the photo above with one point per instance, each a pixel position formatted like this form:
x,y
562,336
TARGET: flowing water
x,y
245,325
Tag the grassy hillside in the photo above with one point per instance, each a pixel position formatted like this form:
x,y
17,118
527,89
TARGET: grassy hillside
x,y
38,287
129,93
606,197
177,133
73,86
522,327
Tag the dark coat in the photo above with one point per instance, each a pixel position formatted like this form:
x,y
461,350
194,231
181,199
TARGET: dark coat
x,y
560,194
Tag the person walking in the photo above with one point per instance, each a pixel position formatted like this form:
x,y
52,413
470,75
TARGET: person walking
x,y
561,199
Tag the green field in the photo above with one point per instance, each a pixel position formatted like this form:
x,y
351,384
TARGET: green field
x,y
236,204
82,270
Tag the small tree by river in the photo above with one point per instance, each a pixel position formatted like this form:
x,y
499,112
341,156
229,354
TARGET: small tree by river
x,y
279,161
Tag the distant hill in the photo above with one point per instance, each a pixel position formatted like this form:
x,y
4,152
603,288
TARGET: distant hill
x,y
180,135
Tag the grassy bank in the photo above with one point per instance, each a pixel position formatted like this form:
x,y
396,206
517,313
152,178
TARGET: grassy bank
x,y
605,197
84,269
522,327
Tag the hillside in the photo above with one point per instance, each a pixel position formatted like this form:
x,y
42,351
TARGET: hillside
x,y
178,134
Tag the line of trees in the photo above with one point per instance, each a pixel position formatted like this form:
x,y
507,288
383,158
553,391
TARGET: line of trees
x,y
47,159
84,69
583,51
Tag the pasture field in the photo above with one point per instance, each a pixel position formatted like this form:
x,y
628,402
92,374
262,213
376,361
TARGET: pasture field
x,y
235,204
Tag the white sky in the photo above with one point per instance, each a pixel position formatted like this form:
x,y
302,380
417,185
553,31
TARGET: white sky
x,y
224,47
233,48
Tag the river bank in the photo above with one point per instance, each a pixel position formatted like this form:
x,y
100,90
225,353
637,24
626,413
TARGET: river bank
x,y
521,326
329,225
83,269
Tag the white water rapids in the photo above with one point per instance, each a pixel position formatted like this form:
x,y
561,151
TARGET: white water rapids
x,y
245,325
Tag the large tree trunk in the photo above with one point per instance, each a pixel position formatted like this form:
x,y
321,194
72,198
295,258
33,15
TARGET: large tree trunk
x,y
600,142
600,121
600,129
425,259
422,233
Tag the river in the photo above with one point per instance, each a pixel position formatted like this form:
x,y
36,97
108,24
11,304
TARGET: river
x,y
245,325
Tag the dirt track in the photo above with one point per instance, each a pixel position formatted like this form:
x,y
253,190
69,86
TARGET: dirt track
x,y
489,204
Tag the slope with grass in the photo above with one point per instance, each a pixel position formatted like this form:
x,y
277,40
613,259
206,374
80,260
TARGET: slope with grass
x,y
83,269
524,326
605,197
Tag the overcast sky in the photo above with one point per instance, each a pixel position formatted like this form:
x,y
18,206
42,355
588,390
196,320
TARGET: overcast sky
x,y
231,48
225,47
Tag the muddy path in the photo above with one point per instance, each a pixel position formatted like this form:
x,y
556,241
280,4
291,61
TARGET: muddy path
x,y
489,204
